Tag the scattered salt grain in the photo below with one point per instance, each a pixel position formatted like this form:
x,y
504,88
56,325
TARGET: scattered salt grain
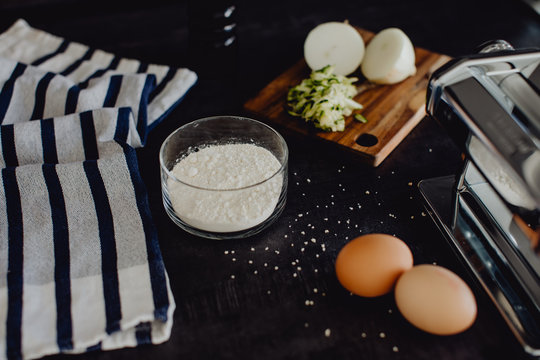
x,y
327,332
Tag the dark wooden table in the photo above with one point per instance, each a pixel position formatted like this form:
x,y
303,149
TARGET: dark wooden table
x,y
263,314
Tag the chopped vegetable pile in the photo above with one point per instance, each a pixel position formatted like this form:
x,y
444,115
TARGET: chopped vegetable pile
x,y
324,99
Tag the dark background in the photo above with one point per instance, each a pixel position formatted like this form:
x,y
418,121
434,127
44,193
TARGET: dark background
x,y
264,315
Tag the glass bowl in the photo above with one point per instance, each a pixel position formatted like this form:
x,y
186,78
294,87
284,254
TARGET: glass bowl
x,y
224,177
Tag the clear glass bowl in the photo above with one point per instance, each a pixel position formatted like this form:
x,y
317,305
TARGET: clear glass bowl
x,y
230,179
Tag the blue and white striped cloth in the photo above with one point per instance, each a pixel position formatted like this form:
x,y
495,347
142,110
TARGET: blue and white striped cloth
x,y
80,265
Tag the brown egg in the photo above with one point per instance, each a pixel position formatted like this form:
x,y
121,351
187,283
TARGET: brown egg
x,y
370,264
435,300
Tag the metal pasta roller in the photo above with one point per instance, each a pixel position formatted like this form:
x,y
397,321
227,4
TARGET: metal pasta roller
x,y
489,103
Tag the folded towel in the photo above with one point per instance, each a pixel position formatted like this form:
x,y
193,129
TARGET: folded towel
x,y
81,64
80,265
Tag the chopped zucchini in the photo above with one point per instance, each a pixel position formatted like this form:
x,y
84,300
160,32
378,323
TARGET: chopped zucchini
x,y
324,99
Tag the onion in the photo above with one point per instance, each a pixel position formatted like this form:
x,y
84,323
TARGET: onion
x,y
334,43
389,57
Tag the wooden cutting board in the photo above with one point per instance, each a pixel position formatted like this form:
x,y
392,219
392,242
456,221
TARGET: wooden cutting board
x,y
392,111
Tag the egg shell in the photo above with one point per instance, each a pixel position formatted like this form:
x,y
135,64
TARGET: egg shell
x,y
369,265
436,300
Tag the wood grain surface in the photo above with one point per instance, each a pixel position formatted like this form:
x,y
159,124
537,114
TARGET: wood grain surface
x,y
392,110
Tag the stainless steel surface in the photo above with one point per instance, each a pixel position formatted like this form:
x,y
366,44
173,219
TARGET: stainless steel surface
x,y
490,212
535,4
467,233
497,104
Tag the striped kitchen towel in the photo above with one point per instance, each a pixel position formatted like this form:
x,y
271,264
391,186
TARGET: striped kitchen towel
x,y
80,265
69,61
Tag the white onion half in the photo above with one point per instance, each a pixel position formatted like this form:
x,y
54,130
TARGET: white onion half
x,y
389,57
334,43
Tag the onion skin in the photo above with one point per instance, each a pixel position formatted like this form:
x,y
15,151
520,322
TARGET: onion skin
x,y
401,66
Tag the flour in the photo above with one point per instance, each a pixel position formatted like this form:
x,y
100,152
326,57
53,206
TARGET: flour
x,y
228,190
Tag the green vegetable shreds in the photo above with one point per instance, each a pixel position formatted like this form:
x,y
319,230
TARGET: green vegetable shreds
x,y
324,99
